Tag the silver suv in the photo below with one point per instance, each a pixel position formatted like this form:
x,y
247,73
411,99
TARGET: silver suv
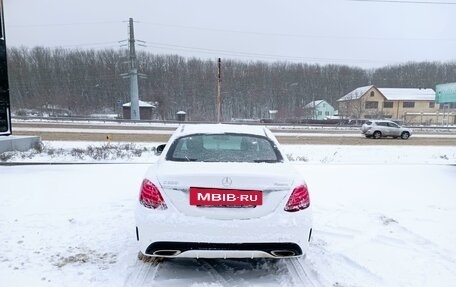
x,y
381,128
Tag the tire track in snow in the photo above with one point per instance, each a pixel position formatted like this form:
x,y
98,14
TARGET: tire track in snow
x,y
210,268
143,274
301,276
222,272
328,267
419,244
403,238
245,272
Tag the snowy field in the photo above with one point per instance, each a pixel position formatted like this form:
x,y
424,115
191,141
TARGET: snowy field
x,y
383,216
58,151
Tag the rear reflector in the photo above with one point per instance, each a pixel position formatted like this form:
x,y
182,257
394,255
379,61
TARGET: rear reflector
x,y
299,199
150,196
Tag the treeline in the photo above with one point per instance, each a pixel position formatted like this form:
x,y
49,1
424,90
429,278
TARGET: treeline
x,y
89,81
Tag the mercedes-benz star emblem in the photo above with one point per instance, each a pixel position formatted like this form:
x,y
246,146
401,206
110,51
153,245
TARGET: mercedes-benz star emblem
x,y
226,181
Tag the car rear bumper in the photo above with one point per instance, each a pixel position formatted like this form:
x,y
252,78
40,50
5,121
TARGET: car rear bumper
x,y
197,237
226,250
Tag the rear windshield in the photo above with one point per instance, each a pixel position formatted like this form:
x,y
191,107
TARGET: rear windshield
x,y
368,123
224,148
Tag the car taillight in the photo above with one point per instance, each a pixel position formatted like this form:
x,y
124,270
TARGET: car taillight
x,y
299,199
150,196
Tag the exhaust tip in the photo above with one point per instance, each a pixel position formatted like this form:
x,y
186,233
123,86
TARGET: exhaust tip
x,y
166,253
283,253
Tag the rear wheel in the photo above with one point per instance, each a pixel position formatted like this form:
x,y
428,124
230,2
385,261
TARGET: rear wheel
x,y
377,135
405,135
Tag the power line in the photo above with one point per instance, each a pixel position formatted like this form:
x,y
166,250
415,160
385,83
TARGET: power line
x,y
110,43
252,55
89,45
258,33
406,2
61,24
221,52
216,30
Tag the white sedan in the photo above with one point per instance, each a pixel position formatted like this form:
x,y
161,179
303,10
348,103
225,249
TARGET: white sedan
x,y
223,191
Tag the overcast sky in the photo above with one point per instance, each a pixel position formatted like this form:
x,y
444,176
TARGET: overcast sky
x,y
365,34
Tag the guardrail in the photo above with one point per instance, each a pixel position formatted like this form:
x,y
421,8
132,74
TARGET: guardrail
x,y
283,124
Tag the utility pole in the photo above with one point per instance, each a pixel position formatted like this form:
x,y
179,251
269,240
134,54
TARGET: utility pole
x,y
219,96
132,73
134,97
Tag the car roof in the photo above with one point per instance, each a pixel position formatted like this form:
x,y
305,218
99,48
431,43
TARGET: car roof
x,y
188,129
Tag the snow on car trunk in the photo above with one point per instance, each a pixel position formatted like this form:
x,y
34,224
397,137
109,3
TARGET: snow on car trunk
x,y
273,181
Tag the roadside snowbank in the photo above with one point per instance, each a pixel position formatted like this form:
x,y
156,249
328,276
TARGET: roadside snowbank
x,y
61,151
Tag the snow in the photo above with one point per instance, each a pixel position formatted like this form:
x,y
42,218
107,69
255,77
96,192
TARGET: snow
x,y
313,104
93,131
393,94
355,94
383,216
97,122
141,104
336,154
402,226
62,151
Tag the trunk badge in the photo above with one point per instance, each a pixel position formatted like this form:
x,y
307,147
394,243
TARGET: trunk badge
x,y
227,181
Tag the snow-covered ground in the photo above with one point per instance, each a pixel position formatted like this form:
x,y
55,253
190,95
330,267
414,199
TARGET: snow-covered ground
x,y
383,216
57,151
338,154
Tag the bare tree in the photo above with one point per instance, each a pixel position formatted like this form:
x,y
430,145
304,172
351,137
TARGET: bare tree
x,y
88,81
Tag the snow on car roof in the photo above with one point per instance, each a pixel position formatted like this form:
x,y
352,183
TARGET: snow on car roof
x,y
219,128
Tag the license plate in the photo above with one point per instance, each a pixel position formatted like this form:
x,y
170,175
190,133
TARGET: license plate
x,y
225,197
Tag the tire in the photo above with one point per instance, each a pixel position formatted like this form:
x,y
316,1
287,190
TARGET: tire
x,y
377,134
405,135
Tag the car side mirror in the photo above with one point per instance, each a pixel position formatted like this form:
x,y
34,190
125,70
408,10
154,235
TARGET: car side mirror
x,y
159,149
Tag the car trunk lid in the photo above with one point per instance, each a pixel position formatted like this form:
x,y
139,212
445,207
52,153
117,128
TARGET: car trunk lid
x,y
273,180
